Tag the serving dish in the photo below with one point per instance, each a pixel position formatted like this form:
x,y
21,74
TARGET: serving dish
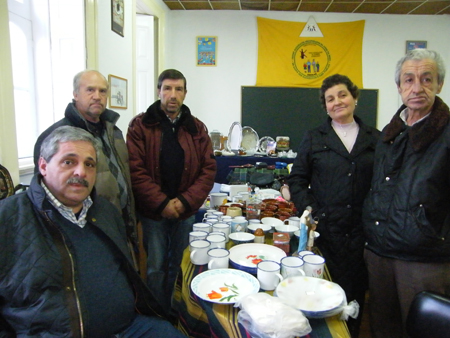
x,y
286,228
234,137
241,237
253,226
315,297
249,141
224,286
262,143
245,257
273,221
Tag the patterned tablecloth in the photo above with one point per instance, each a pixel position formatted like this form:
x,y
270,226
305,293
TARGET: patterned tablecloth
x,y
199,318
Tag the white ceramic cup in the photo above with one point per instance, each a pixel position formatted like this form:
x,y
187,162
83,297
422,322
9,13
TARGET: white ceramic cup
x,y
254,221
223,228
292,266
304,253
199,251
216,233
210,212
217,199
219,214
217,241
314,265
238,225
226,218
218,258
245,195
201,227
268,273
208,217
193,235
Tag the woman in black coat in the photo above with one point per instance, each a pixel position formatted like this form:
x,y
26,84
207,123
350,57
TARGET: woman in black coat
x,y
332,174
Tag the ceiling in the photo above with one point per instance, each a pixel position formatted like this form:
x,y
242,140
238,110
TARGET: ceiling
x,y
429,7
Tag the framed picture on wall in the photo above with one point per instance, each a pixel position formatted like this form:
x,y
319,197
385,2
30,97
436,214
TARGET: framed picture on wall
x,y
206,50
118,92
410,45
117,16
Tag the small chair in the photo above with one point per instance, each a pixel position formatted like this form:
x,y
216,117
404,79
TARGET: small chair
x,y
429,316
6,184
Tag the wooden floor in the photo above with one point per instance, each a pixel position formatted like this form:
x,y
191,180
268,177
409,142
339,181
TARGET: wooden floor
x,y
365,326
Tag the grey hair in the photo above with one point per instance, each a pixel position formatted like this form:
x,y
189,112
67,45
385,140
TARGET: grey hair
x,y
77,79
421,54
50,145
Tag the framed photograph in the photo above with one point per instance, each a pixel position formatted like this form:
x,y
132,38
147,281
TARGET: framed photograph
x,y
117,16
118,92
410,45
206,50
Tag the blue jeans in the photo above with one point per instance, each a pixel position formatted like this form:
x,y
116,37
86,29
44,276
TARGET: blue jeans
x,y
164,242
152,327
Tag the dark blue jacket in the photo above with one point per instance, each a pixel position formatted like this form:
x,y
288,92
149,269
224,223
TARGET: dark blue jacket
x,y
38,277
334,183
407,211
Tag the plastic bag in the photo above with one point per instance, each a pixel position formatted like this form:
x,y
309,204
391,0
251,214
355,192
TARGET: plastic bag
x,y
265,316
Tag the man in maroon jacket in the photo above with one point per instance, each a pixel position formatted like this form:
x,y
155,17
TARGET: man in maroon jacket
x,y
172,168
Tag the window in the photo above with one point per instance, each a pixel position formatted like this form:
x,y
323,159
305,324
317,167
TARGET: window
x,y
47,49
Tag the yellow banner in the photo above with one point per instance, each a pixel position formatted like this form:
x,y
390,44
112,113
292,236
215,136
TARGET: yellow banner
x,y
287,60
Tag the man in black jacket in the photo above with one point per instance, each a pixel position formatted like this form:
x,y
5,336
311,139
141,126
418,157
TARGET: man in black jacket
x,y
406,213
65,269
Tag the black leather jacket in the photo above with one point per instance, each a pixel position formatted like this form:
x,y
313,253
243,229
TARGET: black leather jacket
x,y
406,213
38,277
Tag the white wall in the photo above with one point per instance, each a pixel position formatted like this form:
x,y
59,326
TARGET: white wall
x,y
116,54
214,93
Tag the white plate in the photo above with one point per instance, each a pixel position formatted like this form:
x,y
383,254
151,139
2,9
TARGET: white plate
x,y
262,143
250,140
224,286
234,136
246,256
315,297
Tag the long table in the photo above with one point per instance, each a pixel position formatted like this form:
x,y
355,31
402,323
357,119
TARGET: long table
x,y
224,163
199,318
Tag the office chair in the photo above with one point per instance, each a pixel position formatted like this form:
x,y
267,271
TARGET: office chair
x,y
429,316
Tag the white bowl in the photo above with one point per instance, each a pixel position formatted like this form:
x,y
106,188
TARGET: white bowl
x,y
297,233
273,221
265,227
241,237
286,228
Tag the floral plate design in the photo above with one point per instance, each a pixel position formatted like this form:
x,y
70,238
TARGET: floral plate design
x,y
224,286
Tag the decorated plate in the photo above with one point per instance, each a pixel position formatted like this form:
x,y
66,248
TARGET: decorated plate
x,y
234,136
262,143
246,256
315,297
224,286
250,140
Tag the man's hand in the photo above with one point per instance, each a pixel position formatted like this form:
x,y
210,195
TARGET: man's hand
x,y
170,211
179,206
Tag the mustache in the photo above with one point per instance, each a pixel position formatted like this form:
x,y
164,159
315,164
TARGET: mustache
x,y
78,180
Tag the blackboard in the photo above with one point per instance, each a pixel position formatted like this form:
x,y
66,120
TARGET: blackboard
x,y
291,111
